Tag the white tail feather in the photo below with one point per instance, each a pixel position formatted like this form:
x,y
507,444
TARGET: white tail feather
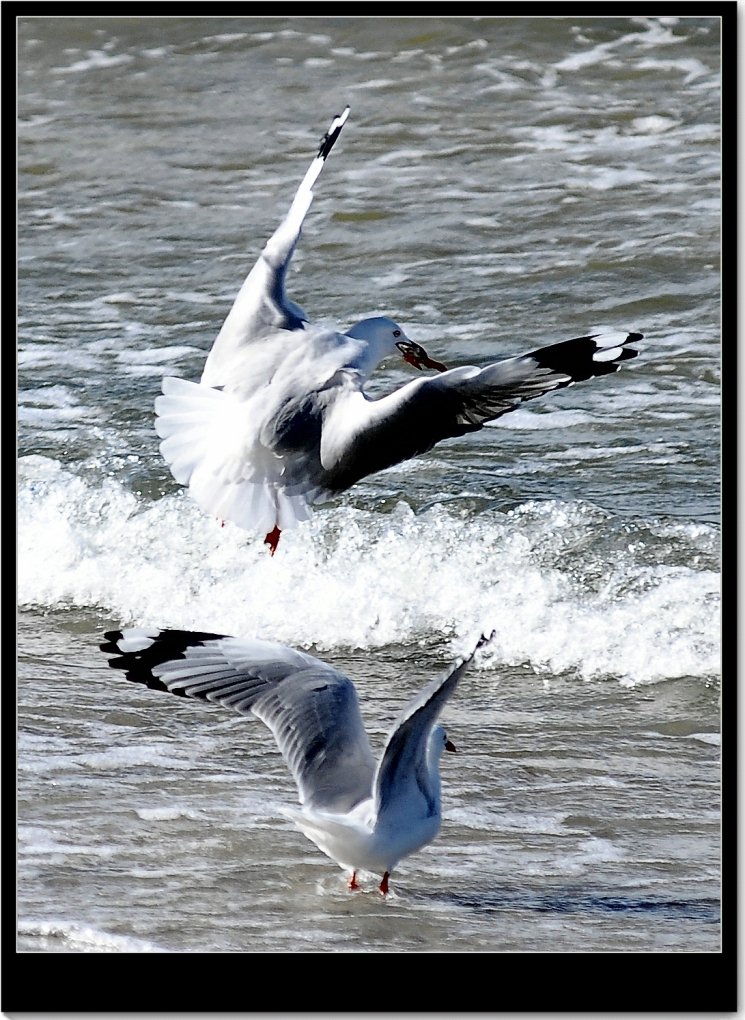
x,y
201,432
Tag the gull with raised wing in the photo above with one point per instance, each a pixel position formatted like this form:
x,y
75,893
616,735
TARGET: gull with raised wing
x,y
365,816
280,419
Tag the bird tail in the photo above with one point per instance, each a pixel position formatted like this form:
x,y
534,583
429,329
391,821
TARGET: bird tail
x,y
188,415
201,429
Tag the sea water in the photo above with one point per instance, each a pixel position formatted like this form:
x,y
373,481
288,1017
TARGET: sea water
x,y
501,184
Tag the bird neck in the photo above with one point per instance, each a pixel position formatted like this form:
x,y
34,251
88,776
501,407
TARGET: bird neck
x,y
373,346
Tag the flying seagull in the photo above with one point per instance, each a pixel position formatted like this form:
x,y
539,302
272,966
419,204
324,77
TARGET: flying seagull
x,y
364,815
280,419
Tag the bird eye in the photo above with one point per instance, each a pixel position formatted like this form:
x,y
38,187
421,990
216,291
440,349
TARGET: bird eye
x,y
397,332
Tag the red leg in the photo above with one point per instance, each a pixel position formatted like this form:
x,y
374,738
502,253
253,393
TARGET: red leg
x,y
353,883
384,884
272,539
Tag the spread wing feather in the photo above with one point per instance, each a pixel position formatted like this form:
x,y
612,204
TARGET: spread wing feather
x,y
369,435
311,709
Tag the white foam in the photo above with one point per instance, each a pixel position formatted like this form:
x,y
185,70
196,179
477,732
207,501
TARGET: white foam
x,y
95,60
714,739
576,454
84,938
156,355
654,124
115,759
230,37
522,419
653,33
605,178
689,67
360,578
167,814
588,855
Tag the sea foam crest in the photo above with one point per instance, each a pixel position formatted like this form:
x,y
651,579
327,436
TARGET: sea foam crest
x,y
53,935
565,586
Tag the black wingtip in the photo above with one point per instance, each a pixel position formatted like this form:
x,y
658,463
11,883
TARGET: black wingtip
x,y
481,643
163,646
585,357
484,640
328,140
110,645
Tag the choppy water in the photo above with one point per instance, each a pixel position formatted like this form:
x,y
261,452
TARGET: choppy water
x,y
501,184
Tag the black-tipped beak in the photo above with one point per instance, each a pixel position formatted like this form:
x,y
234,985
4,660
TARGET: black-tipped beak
x,y
415,355
450,746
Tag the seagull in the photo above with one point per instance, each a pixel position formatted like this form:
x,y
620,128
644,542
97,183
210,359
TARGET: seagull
x,y
365,816
280,419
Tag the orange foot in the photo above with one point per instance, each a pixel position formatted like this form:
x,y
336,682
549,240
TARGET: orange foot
x,y
384,884
272,539
353,883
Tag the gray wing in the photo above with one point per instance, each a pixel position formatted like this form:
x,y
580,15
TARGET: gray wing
x,y
404,758
311,709
424,412
262,306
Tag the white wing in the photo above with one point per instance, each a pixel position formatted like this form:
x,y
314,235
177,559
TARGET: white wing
x,y
362,436
262,306
311,708
402,772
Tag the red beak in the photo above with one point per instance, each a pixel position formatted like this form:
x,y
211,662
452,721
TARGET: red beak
x,y
415,355
438,366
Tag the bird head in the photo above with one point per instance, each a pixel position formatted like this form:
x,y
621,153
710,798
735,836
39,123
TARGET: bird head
x,y
440,739
384,337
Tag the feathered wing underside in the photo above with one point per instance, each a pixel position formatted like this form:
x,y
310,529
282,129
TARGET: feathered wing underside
x,y
404,761
315,719
369,435
311,709
262,306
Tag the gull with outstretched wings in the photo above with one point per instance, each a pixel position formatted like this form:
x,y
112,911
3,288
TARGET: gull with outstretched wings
x,y
366,815
280,419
